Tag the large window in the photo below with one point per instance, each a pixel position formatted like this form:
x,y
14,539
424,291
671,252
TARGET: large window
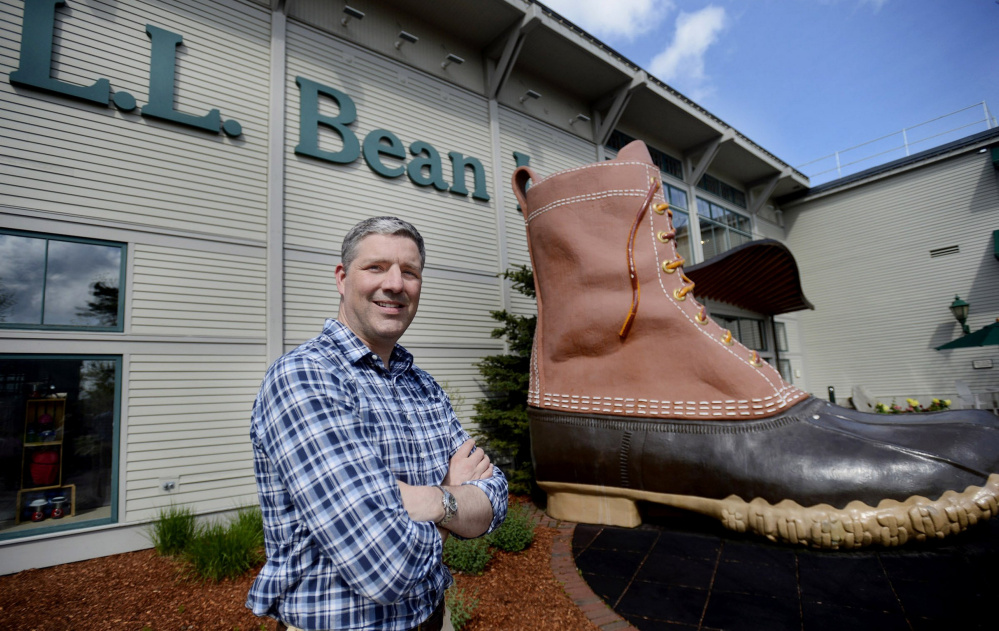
x,y
681,220
721,228
49,282
58,442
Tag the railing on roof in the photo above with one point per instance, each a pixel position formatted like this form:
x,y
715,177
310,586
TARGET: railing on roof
x,y
935,131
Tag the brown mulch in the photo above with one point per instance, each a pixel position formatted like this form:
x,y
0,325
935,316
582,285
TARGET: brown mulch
x,y
140,590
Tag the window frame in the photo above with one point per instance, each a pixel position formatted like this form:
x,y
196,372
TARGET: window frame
x,y
51,528
719,226
122,270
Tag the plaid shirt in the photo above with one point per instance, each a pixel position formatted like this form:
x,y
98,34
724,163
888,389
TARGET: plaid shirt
x,y
332,432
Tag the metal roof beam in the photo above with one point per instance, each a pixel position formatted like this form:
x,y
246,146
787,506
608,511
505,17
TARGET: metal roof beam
x,y
708,152
619,101
497,76
765,188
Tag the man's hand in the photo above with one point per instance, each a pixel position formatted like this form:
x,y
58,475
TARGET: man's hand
x,y
467,465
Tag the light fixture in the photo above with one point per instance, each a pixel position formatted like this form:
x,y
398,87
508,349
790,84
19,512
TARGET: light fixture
x,y
960,310
351,13
406,37
530,94
579,117
451,59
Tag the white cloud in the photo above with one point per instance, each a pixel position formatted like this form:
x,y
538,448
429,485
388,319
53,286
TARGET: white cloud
x,y
619,20
682,63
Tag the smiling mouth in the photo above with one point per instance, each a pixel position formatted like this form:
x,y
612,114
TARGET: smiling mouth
x,y
389,305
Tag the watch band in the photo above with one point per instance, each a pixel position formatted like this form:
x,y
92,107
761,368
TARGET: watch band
x,y
450,505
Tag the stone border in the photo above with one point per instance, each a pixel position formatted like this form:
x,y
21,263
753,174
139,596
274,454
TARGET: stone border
x,y
564,569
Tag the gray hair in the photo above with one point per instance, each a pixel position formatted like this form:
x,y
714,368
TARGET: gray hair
x,y
379,225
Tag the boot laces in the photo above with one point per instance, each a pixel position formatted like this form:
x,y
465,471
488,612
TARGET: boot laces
x,y
669,267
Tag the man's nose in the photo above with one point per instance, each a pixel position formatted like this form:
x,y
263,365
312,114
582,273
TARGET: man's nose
x,y
392,280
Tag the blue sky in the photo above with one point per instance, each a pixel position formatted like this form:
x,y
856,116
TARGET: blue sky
x,y
807,78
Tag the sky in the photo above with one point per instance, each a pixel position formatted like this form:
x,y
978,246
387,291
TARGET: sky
x,y
807,79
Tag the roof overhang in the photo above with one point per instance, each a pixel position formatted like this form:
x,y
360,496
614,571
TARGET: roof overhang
x,y
760,276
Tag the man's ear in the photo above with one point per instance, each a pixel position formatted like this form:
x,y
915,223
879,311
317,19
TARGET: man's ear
x,y
340,273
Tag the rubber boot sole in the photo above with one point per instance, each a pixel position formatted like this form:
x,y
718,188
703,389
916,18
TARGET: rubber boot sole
x,y
890,523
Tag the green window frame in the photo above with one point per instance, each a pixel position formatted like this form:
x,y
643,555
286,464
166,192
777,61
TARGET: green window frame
x,y
81,395
56,282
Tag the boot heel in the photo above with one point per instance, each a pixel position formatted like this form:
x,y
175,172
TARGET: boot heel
x,y
574,502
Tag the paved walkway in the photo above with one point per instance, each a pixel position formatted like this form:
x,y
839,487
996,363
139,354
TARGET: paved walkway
x,y
683,572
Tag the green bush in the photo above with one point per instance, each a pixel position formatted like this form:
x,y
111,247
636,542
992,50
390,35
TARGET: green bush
x,y
467,555
172,530
516,532
225,550
503,426
461,605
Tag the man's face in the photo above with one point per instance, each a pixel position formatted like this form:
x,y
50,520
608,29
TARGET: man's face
x,y
380,292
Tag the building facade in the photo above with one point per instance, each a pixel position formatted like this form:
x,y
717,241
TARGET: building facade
x,y
176,177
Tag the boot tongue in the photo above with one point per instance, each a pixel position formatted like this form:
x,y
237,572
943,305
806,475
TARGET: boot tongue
x,y
634,151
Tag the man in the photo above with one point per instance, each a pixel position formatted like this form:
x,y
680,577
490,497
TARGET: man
x,y
362,467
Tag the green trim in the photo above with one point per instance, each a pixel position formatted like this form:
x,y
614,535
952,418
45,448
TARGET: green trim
x,y
995,155
995,243
122,270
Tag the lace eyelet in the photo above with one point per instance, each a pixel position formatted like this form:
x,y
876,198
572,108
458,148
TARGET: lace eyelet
x,y
667,268
680,297
664,236
727,338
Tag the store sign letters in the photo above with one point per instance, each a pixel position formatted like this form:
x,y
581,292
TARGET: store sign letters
x,y
424,169
34,71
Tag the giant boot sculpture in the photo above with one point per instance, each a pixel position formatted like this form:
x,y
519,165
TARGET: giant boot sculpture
x,y
637,395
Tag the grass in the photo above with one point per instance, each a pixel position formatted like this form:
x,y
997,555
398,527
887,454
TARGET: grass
x,y
173,530
215,551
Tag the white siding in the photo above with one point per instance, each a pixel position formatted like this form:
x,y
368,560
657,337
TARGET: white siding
x,y
310,297
189,292
323,199
79,159
188,420
880,299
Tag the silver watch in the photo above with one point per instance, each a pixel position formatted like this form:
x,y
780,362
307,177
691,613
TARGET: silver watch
x,y
450,506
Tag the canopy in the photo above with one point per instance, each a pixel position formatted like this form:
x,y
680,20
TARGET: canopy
x,y
986,336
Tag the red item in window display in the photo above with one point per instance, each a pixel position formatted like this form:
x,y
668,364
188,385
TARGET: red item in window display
x,y
44,468
45,419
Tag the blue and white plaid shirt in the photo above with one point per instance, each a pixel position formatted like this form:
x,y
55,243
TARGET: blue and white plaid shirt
x,y
332,432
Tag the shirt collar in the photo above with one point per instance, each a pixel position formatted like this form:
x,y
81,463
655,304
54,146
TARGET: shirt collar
x,y
351,347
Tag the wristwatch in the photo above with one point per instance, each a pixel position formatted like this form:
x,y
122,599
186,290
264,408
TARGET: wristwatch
x,y
450,506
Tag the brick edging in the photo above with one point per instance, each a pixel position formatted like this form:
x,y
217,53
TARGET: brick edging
x,y
564,569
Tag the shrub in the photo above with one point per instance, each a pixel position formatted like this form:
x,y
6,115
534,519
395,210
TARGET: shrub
x,y
516,532
461,605
503,426
220,551
172,530
467,555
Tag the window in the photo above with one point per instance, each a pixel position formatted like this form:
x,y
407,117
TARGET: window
x,y
749,331
781,329
58,442
50,282
665,162
722,190
681,220
784,366
721,228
